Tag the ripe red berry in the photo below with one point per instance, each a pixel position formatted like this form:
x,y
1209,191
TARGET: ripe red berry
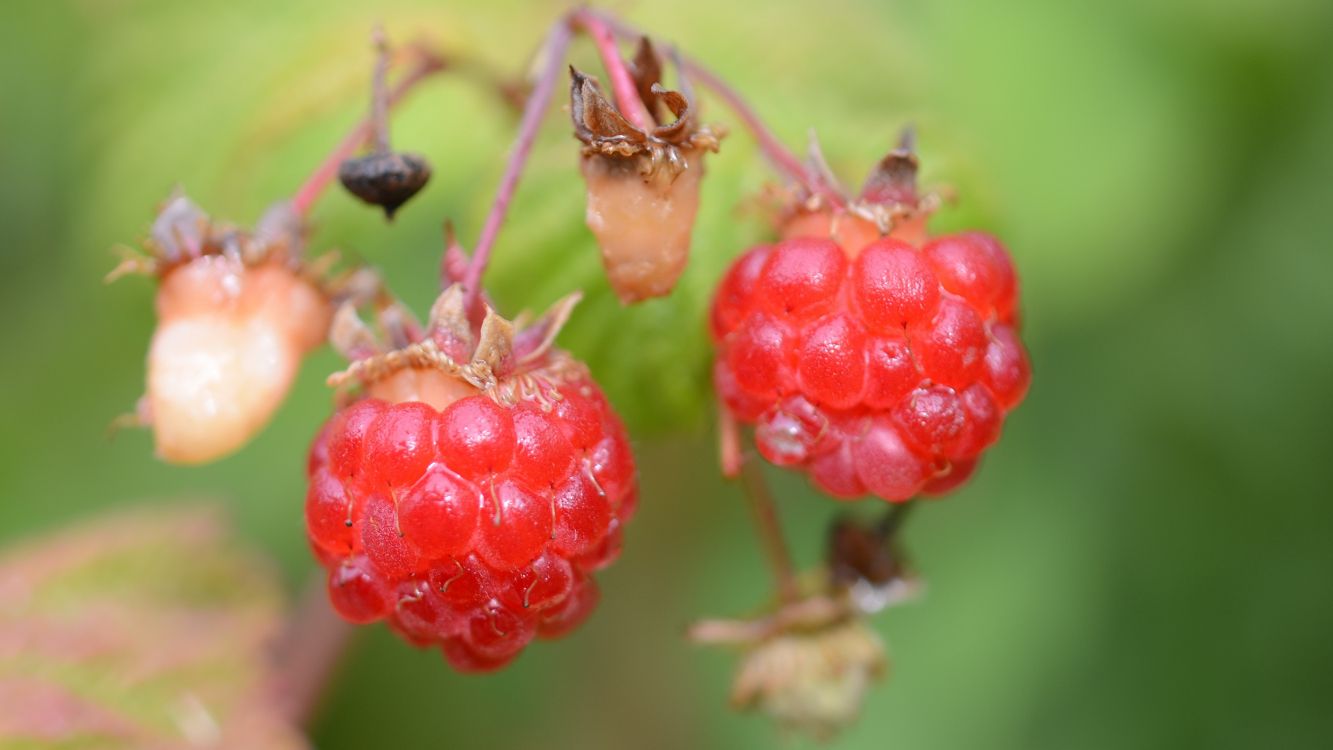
x,y
881,365
469,505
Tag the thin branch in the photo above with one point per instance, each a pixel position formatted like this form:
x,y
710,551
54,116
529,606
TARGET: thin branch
x,y
785,161
307,653
769,528
808,613
892,520
622,83
557,42
427,64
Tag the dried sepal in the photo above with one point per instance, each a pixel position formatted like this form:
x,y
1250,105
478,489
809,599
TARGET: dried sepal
x,y
818,167
493,357
808,661
350,336
598,123
180,230
535,340
893,179
646,70
454,263
605,132
890,196
812,682
448,323
500,358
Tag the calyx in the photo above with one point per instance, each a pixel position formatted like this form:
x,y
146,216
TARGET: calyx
x,y
502,358
606,132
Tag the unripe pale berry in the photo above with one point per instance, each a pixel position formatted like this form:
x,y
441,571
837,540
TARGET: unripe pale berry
x,y
235,315
643,181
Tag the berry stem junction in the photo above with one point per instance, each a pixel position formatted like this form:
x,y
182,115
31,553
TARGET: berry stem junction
x,y
553,49
426,64
784,160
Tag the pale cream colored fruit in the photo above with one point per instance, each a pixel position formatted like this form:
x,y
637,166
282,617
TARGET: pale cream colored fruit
x,y
642,222
228,344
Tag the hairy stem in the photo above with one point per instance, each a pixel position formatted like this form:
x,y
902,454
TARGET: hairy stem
x,y
785,161
557,42
622,83
426,65
769,528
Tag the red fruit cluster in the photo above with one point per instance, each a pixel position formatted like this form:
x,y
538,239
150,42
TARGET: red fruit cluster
x,y
884,368
477,527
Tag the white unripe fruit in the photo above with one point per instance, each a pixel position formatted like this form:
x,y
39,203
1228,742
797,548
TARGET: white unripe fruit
x,y
228,344
642,222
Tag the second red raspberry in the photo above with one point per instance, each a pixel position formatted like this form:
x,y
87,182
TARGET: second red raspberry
x,y
880,368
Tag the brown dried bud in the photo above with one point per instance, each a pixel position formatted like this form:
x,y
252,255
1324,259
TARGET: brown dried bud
x,y
812,681
857,553
387,179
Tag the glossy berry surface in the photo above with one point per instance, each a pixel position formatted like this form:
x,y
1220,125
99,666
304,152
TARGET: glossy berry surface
x,y
474,528
879,367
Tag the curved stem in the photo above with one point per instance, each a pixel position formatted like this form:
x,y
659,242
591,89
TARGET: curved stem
x,y
304,199
622,83
557,42
307,652
379,94
785,161
769,528
892,520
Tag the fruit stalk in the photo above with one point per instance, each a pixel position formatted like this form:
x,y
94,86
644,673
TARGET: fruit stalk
x,y
892,521
785,161
307,652
557,42
769,528
427,64
622,83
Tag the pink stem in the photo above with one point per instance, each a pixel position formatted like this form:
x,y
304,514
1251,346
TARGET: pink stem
x,y
769,527
622,83
557,42
315,184
307,652
784,160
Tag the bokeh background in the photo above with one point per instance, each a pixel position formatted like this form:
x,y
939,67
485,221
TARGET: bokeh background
x,y
1144,559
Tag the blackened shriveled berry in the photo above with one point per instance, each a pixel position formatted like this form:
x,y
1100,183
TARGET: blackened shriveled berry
x,y
387,180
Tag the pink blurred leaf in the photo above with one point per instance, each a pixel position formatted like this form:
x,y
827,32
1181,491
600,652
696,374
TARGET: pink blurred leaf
x,y
147,629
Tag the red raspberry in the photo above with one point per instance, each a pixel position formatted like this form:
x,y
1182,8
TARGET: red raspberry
x,y
468,505
880,364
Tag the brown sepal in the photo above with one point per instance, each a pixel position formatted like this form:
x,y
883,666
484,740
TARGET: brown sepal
x,y
893,180
604,131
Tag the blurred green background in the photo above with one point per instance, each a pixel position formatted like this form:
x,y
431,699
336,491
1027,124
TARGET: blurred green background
x,y
1144,560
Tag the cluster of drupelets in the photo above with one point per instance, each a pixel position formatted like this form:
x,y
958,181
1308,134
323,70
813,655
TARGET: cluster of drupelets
x,y
474,477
